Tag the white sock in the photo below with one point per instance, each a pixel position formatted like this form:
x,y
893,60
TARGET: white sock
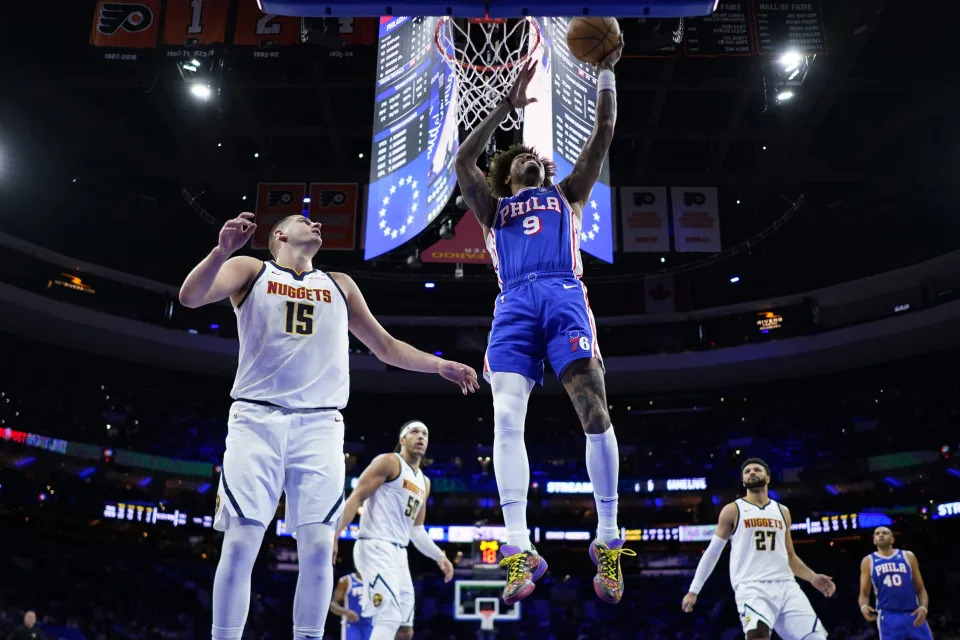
x,y
315,582
603,467
231,583
510,463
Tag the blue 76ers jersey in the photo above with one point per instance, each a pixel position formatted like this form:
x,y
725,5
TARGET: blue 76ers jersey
x,y
893,581
534,231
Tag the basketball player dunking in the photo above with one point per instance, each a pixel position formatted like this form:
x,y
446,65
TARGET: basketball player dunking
x,y
902,600
762,564
285,431
532,230
347,603
393,492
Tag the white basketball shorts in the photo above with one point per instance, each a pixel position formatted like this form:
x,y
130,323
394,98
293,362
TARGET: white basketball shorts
x,y
272,450
386,575
780,604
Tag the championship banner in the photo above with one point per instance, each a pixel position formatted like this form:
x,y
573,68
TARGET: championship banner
x,y
125,25
275,200
696,221
264,30
359,31
334,206
467,245
644,219
191,27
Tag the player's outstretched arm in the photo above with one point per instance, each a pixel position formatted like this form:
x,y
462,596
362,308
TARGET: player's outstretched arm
x,y
473,184
339,600
823,583
923,598
865,586
578,185
219,276
383,468
395,352
425,544
725,527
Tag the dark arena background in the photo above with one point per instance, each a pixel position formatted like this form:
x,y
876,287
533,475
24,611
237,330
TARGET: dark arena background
x,y
772,251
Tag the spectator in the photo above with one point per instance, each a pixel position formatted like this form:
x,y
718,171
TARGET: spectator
x,y
29,630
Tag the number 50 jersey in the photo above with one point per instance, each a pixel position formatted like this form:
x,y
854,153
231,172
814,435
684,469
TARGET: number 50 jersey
x,y
535,230
390,512
294,345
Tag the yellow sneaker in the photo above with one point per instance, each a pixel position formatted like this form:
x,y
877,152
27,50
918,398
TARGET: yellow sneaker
x,y
523,569
608,583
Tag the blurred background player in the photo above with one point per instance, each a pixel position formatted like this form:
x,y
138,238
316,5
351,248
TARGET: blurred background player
x,y
532,230
902,600
347,602
763,564
29,630
285,430
393,492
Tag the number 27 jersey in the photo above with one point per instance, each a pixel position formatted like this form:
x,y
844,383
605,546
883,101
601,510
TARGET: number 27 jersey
x,y
535,230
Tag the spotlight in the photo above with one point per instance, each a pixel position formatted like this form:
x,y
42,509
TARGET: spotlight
x,y
257,155
735,279
360,155
783,96
244,198
429,285
662,259
306,200
791,60
200,91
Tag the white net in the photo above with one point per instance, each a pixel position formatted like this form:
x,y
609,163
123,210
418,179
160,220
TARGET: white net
x,y
487,56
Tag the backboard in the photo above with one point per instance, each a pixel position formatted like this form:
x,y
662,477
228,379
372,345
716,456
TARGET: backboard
x,y
472,596
491,8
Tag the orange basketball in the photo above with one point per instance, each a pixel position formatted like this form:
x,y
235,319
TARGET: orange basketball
x,y
590,39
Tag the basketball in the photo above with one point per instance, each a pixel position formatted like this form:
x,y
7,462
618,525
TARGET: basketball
x,y
590,39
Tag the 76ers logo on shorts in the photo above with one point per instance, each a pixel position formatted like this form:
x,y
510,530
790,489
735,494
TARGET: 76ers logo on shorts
x,y
577,340
121,15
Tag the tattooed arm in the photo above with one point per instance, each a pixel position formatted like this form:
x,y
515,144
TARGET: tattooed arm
x,y
473,184
578,185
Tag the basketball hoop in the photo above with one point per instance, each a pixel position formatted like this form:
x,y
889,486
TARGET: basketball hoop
x,y
486,619
486,56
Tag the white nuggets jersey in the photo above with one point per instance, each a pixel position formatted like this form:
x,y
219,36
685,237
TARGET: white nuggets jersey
x,y
758,546
390,512
293,341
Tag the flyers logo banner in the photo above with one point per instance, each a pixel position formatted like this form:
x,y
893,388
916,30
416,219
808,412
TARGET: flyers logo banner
x,y
644,219
696,220
188,24
125,25
466,246
334,206
264,30
275,201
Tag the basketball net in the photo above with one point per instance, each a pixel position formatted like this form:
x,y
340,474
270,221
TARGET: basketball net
x,y
486,56
486,620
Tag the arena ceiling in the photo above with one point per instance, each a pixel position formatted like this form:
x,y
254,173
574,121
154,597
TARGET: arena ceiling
x,y
94,156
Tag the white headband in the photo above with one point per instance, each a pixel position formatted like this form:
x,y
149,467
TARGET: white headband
x,y
411,425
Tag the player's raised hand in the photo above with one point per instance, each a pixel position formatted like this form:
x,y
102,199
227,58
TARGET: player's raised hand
x,y
460,374
447,567
824,584
688,601
869,613
518,92
235,232
611,59
921,615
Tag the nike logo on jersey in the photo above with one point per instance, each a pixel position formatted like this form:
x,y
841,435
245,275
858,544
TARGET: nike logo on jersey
x,y
569,286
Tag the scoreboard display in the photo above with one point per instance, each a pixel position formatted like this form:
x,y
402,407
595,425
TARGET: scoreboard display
x,y
414,134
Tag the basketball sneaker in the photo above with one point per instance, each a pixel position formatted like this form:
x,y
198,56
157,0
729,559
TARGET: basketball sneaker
x,y
523,569
608,583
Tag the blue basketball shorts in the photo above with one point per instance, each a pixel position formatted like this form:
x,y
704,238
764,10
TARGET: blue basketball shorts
x,y
898,625
541,316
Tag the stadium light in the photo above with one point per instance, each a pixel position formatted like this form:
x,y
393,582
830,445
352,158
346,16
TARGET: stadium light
x,y
783,96
735,279
791,60
429,285
200,91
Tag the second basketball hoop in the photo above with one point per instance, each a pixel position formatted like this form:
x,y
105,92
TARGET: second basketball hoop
x,y
486,55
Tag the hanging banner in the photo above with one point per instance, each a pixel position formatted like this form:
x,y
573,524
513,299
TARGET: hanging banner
x,y
334,206
644,219
696,221
191,27
659,294
359,31
466,246
125,25
275,201
264,30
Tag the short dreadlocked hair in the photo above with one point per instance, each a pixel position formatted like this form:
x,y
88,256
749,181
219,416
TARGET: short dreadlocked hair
x,y
500,169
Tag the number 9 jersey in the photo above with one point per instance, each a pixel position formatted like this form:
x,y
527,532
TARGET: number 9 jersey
x,y
542,312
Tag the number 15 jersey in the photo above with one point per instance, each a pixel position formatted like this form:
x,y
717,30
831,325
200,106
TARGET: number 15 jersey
x,y
535,230
758,545
294,345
